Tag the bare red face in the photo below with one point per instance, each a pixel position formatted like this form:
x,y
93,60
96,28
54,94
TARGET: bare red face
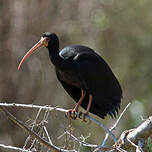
x,y
42,43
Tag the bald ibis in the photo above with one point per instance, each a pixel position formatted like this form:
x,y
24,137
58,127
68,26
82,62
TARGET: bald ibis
x,y
84,75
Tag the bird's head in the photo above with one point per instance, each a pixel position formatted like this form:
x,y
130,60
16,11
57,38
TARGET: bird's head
x,y
46,39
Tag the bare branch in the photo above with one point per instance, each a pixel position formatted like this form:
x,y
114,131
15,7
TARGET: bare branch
x,y
116,124
81,142
143,131
49,108
104,127
12,148
140,145
28,138
133,137
44,107
33,134
48,135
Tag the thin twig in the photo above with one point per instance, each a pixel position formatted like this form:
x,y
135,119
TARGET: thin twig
x,y
120,117
133,144
29,137
46,132
140,145
116,124
49,108
12,148
121,150
81,142
104,127
44,107
33,134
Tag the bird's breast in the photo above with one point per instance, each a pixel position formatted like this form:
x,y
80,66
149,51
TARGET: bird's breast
x,y
71,78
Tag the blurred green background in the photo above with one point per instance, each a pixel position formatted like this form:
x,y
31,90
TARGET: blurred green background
x,y
120,31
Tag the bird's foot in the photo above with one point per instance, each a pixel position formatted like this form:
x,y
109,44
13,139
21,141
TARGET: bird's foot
x,y
72,113
82,116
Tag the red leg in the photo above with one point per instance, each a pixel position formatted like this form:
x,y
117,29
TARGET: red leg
x,y
71,112
88,108
80,100
89,104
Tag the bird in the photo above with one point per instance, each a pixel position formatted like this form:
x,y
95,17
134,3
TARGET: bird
x,y
85,76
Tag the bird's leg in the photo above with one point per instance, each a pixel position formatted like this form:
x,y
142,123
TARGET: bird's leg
x,y
80,101
88,109
72,112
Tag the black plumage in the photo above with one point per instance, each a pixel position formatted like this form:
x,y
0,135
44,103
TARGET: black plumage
x,y
81,68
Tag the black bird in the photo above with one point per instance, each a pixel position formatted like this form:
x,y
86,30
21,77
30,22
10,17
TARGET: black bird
x,y
85,76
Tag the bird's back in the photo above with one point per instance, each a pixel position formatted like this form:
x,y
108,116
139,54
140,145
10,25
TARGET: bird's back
x,y
94,75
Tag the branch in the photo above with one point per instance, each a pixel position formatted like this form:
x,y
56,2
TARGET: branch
x,y
32,134
49,108
116,124
12,148
104,127
46,107
78,140
132,136
140,145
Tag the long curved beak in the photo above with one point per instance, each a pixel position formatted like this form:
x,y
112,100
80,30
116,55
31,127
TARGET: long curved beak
x,y
42,42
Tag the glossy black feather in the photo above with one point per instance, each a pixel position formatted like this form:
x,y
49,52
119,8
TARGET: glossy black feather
x,y
90,72
79,67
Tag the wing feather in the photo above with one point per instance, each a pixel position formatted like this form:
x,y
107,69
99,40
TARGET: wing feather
x,y
99,81
96,78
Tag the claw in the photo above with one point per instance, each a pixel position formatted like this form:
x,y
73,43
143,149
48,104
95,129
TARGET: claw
x,y
82,116
72,113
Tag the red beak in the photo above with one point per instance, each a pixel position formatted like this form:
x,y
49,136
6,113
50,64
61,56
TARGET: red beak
x,y
42,42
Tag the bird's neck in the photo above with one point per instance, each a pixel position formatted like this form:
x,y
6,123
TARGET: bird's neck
x,y
54,54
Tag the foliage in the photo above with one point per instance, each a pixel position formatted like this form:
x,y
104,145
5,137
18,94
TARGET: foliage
x,y
149,144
